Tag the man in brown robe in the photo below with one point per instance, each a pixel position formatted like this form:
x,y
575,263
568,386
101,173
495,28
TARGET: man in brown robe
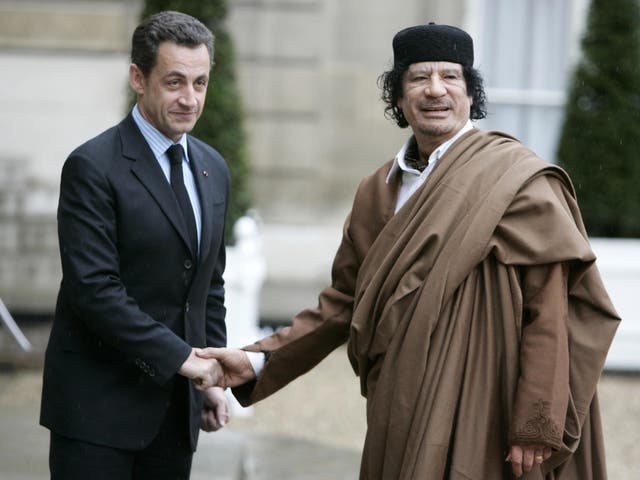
x,y
467,291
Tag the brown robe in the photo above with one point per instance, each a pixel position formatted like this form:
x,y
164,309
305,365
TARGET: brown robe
x,y
476,319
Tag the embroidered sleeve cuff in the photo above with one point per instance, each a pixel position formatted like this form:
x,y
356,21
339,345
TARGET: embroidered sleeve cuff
x,y
539,428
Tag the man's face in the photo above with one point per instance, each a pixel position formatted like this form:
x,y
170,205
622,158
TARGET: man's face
x,y
171,98
434,100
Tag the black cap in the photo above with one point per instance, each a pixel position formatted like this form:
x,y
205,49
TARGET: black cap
x,y
433,43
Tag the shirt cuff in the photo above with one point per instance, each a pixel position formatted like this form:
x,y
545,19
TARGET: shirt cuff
x,y
257,360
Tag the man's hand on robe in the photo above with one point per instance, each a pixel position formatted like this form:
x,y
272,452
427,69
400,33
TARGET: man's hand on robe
x,y
524,457
236,367
204,372
215,411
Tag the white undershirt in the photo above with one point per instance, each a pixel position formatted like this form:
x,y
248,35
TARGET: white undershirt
x,y
412,179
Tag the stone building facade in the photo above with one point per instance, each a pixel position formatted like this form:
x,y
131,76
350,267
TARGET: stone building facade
x,y
308,72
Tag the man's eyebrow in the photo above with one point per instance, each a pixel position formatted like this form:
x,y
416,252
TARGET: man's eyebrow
x,y
429,72
179,74
174,73
420,71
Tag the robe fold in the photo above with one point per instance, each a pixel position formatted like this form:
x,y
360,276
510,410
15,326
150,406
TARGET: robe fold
x,y
475,316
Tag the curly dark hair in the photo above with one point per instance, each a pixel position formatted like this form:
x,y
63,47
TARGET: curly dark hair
x,y
391,84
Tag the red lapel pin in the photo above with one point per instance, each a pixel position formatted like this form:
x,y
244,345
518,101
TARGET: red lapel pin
x,y
205,173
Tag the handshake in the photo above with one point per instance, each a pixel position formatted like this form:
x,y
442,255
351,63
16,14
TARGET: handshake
x,y
217,367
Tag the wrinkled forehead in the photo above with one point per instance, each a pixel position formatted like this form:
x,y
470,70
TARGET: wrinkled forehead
x,y
434,67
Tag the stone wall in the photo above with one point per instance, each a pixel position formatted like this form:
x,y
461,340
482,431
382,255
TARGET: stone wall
x,y
307,71
64,74
29,265
71,25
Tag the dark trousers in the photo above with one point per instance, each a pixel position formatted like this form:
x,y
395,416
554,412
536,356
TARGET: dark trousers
x,y
168,457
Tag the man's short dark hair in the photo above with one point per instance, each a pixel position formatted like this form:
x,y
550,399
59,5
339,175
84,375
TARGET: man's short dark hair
x,y
391,84
167,26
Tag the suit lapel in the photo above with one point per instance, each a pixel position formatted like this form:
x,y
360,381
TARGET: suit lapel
x,y
205,193
146,168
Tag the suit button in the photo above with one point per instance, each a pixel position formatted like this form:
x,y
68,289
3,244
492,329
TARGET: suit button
x,y
188,264
186,307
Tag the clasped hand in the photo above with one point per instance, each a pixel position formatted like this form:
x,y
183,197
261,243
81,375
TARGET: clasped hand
x,y
221,367
235,365
204,372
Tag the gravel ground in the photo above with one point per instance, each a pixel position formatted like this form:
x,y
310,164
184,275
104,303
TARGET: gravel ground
x,y
323,407
620,404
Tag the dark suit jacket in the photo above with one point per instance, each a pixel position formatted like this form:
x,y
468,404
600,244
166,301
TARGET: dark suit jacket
x,y
133,299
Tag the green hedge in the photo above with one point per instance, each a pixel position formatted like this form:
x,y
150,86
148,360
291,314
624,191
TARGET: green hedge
x,y
221,123
600,139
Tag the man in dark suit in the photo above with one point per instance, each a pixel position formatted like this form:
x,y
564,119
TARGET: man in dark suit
x,y
141,219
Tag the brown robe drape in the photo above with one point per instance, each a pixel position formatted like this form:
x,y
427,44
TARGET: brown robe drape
x,y
475,317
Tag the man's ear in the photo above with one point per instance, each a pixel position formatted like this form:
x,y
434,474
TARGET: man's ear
x,y
136,79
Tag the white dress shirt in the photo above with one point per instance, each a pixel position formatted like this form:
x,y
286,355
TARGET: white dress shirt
x,y
159,143
412,179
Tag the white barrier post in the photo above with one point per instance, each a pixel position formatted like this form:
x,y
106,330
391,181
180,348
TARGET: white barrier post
x,y
244,276
10,323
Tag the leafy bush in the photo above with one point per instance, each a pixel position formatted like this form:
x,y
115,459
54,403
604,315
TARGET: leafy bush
x,y
600,139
